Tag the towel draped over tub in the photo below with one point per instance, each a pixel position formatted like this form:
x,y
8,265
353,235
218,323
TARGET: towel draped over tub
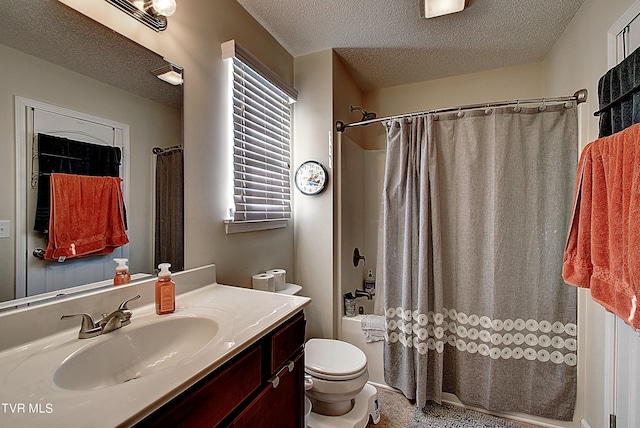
x,y
373,327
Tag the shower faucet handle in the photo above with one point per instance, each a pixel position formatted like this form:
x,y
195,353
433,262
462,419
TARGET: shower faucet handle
x,y
357,257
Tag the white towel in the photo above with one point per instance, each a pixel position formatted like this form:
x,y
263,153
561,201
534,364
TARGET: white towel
x,y
373,327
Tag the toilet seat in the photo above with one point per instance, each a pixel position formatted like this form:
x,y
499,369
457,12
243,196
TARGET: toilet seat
x,y
334,359
327,376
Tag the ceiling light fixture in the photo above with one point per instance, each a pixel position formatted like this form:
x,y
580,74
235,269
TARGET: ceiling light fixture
x,y
164,7
433,8
170,73
152,13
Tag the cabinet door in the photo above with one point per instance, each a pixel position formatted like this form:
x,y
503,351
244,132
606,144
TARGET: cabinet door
x,y
279,406
287,341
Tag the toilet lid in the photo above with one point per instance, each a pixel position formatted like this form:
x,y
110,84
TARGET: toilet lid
x,y
333,358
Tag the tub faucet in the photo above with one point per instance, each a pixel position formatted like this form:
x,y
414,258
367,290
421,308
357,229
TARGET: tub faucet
x,y
108,323
362,293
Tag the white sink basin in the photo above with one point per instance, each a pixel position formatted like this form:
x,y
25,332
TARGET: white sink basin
x,y
117,378
135,351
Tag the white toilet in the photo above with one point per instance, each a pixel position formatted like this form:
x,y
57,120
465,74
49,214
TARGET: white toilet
x,y
336,378
338,372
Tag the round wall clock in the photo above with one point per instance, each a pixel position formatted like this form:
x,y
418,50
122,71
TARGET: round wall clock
x,y
311,178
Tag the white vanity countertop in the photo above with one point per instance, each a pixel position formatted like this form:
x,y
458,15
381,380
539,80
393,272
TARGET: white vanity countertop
x,y
30,397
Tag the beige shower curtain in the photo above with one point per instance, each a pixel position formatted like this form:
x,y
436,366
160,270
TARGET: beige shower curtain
x,y
474,219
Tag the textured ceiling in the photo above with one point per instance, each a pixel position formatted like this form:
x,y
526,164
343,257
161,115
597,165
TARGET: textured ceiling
x,y
386,43
56,33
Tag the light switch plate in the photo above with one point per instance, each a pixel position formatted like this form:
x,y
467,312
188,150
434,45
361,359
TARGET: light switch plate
x,y
5,228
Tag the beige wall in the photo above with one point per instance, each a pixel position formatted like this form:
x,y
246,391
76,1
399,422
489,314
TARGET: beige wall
x,y
313,214
151,124
496,85
346,94
193,39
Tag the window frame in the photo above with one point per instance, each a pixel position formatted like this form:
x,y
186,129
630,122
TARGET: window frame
x,y
258,90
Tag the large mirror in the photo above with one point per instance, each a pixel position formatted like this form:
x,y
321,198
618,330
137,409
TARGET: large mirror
x,y
54,56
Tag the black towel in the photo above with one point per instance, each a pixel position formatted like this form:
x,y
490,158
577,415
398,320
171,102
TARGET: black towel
x,y
621,79
57,154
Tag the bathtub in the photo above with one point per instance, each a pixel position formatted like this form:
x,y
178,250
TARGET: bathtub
x,y
352,332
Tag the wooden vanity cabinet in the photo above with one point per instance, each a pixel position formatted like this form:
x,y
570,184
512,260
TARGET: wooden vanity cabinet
x,y
280,406
261,387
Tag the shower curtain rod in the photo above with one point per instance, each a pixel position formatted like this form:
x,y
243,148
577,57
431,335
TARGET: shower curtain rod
x,y
579,97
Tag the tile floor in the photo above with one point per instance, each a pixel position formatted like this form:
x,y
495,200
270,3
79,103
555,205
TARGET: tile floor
x,y
396,411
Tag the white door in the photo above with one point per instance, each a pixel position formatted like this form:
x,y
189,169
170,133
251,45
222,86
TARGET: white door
x,y
45,276
626,342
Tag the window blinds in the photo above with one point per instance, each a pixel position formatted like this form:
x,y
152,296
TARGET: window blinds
x,y
261,139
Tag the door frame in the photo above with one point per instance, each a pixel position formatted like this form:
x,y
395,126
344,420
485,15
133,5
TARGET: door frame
x,y
23,120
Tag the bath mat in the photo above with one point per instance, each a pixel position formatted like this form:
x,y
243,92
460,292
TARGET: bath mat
x,y
449,416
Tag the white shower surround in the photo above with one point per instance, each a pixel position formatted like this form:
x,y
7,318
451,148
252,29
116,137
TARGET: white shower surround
x,y
362,176
362,179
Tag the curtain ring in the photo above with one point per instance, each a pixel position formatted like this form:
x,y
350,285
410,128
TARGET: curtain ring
x,y
488,110
543,107
460,113
517,108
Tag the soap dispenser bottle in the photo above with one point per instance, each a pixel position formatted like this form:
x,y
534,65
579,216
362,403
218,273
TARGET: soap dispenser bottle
x,y
122,272
165,291
370,284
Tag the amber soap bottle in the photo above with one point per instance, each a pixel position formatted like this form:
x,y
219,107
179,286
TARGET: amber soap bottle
x,y
122,272
165,291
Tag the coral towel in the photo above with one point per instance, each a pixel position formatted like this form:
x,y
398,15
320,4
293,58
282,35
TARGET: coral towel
x,y
86,216
603,247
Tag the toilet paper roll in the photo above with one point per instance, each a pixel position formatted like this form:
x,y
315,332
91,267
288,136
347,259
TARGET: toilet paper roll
x,y
280,276
264,282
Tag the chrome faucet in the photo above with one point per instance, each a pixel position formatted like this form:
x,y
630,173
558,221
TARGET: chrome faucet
x,y
88,328
118,318
113,321
362,293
